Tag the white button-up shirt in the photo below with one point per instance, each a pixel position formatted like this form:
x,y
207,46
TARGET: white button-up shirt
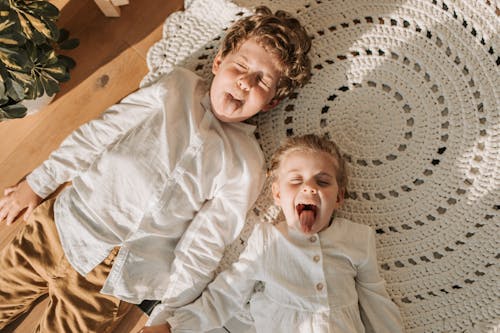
x,y
160,176
327,282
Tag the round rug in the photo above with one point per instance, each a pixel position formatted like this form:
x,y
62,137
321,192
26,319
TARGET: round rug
x,y
410,91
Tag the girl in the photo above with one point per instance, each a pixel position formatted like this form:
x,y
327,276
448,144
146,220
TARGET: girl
x,y
319,272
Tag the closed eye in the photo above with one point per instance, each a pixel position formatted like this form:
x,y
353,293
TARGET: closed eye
x,y
295,181
241,65
264,82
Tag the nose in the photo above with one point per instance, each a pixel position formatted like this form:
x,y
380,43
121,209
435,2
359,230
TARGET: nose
x,y
309,189
246,81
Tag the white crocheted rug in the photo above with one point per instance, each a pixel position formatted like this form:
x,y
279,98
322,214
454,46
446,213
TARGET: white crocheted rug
x,y
410,90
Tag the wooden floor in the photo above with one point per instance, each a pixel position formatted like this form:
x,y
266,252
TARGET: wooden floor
x,y
111,61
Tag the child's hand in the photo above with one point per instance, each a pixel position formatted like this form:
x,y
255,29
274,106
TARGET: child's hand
x,y
164,328
16,199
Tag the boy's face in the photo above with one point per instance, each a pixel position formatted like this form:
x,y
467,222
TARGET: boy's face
x,y
306,190
245,82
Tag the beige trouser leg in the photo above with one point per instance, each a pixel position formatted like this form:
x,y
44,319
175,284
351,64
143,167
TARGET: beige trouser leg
x,y
33,264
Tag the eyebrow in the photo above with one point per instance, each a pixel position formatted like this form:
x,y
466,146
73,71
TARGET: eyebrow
x,y
321,174
243,57
324,174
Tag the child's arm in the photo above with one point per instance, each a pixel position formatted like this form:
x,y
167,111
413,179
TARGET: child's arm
x,y
378,312
16,198
224,297
77,152
215,226
84,145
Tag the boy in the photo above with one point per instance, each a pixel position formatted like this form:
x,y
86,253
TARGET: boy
x,y
169,168
319,272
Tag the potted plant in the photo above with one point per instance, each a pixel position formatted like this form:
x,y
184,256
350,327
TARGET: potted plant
x,y
30,65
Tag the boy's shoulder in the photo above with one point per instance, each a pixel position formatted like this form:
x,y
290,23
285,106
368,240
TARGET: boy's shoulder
x,y
179,73
179,84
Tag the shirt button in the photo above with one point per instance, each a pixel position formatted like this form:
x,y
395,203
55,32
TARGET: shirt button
x,y
316,258
319,286
312,239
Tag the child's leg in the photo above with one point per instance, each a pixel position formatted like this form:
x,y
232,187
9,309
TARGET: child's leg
x,y
23,263
34,264
76,304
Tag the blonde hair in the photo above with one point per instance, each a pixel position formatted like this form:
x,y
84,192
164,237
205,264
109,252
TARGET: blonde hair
x,y
280,34
311,143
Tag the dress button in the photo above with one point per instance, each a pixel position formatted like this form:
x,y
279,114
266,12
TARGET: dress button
x,y
319,286
313,239
316,258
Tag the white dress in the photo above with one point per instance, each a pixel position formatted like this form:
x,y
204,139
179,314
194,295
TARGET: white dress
x,y
326,282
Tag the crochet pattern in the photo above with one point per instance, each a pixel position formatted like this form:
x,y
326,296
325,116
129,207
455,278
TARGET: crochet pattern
x,y
410,91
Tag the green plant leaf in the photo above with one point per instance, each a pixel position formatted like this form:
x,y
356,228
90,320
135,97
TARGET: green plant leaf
x,y
5,24
10,29
11,39
45,27
13,57
50,85
37,88
25,27
12,111
2,90
15,90
22,78
29,62
68,62
58,72
43,55
43,9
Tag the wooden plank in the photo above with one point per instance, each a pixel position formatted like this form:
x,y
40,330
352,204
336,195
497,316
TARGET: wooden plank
x,y
120,2
107,7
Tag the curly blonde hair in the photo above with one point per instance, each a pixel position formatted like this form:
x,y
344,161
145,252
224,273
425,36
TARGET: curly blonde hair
x,y
314,143
282,35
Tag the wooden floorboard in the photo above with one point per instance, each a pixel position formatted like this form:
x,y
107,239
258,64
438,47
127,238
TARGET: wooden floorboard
x,y
111,61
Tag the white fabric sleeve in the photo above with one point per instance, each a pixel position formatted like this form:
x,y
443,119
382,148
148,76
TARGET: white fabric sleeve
x,y
378,312
200,249
78,151
226,295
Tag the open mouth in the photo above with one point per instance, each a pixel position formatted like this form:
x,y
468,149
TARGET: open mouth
x,y
306,207
307,215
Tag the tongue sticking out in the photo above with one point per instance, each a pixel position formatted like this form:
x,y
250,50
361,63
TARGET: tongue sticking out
x,y
306,220
307,216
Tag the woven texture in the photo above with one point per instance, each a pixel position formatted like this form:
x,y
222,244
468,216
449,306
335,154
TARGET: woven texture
x,y
410,91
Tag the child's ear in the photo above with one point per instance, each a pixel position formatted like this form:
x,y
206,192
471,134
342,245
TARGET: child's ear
x,y
276,193
216,63
340,199
272,104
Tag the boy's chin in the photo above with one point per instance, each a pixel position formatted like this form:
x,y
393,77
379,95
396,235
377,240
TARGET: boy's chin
x,y
224,118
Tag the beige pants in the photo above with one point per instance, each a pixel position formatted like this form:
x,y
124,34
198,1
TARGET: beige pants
x,y
34,265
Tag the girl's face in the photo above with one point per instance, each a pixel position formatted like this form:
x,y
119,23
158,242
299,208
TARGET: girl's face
x,y
306,189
